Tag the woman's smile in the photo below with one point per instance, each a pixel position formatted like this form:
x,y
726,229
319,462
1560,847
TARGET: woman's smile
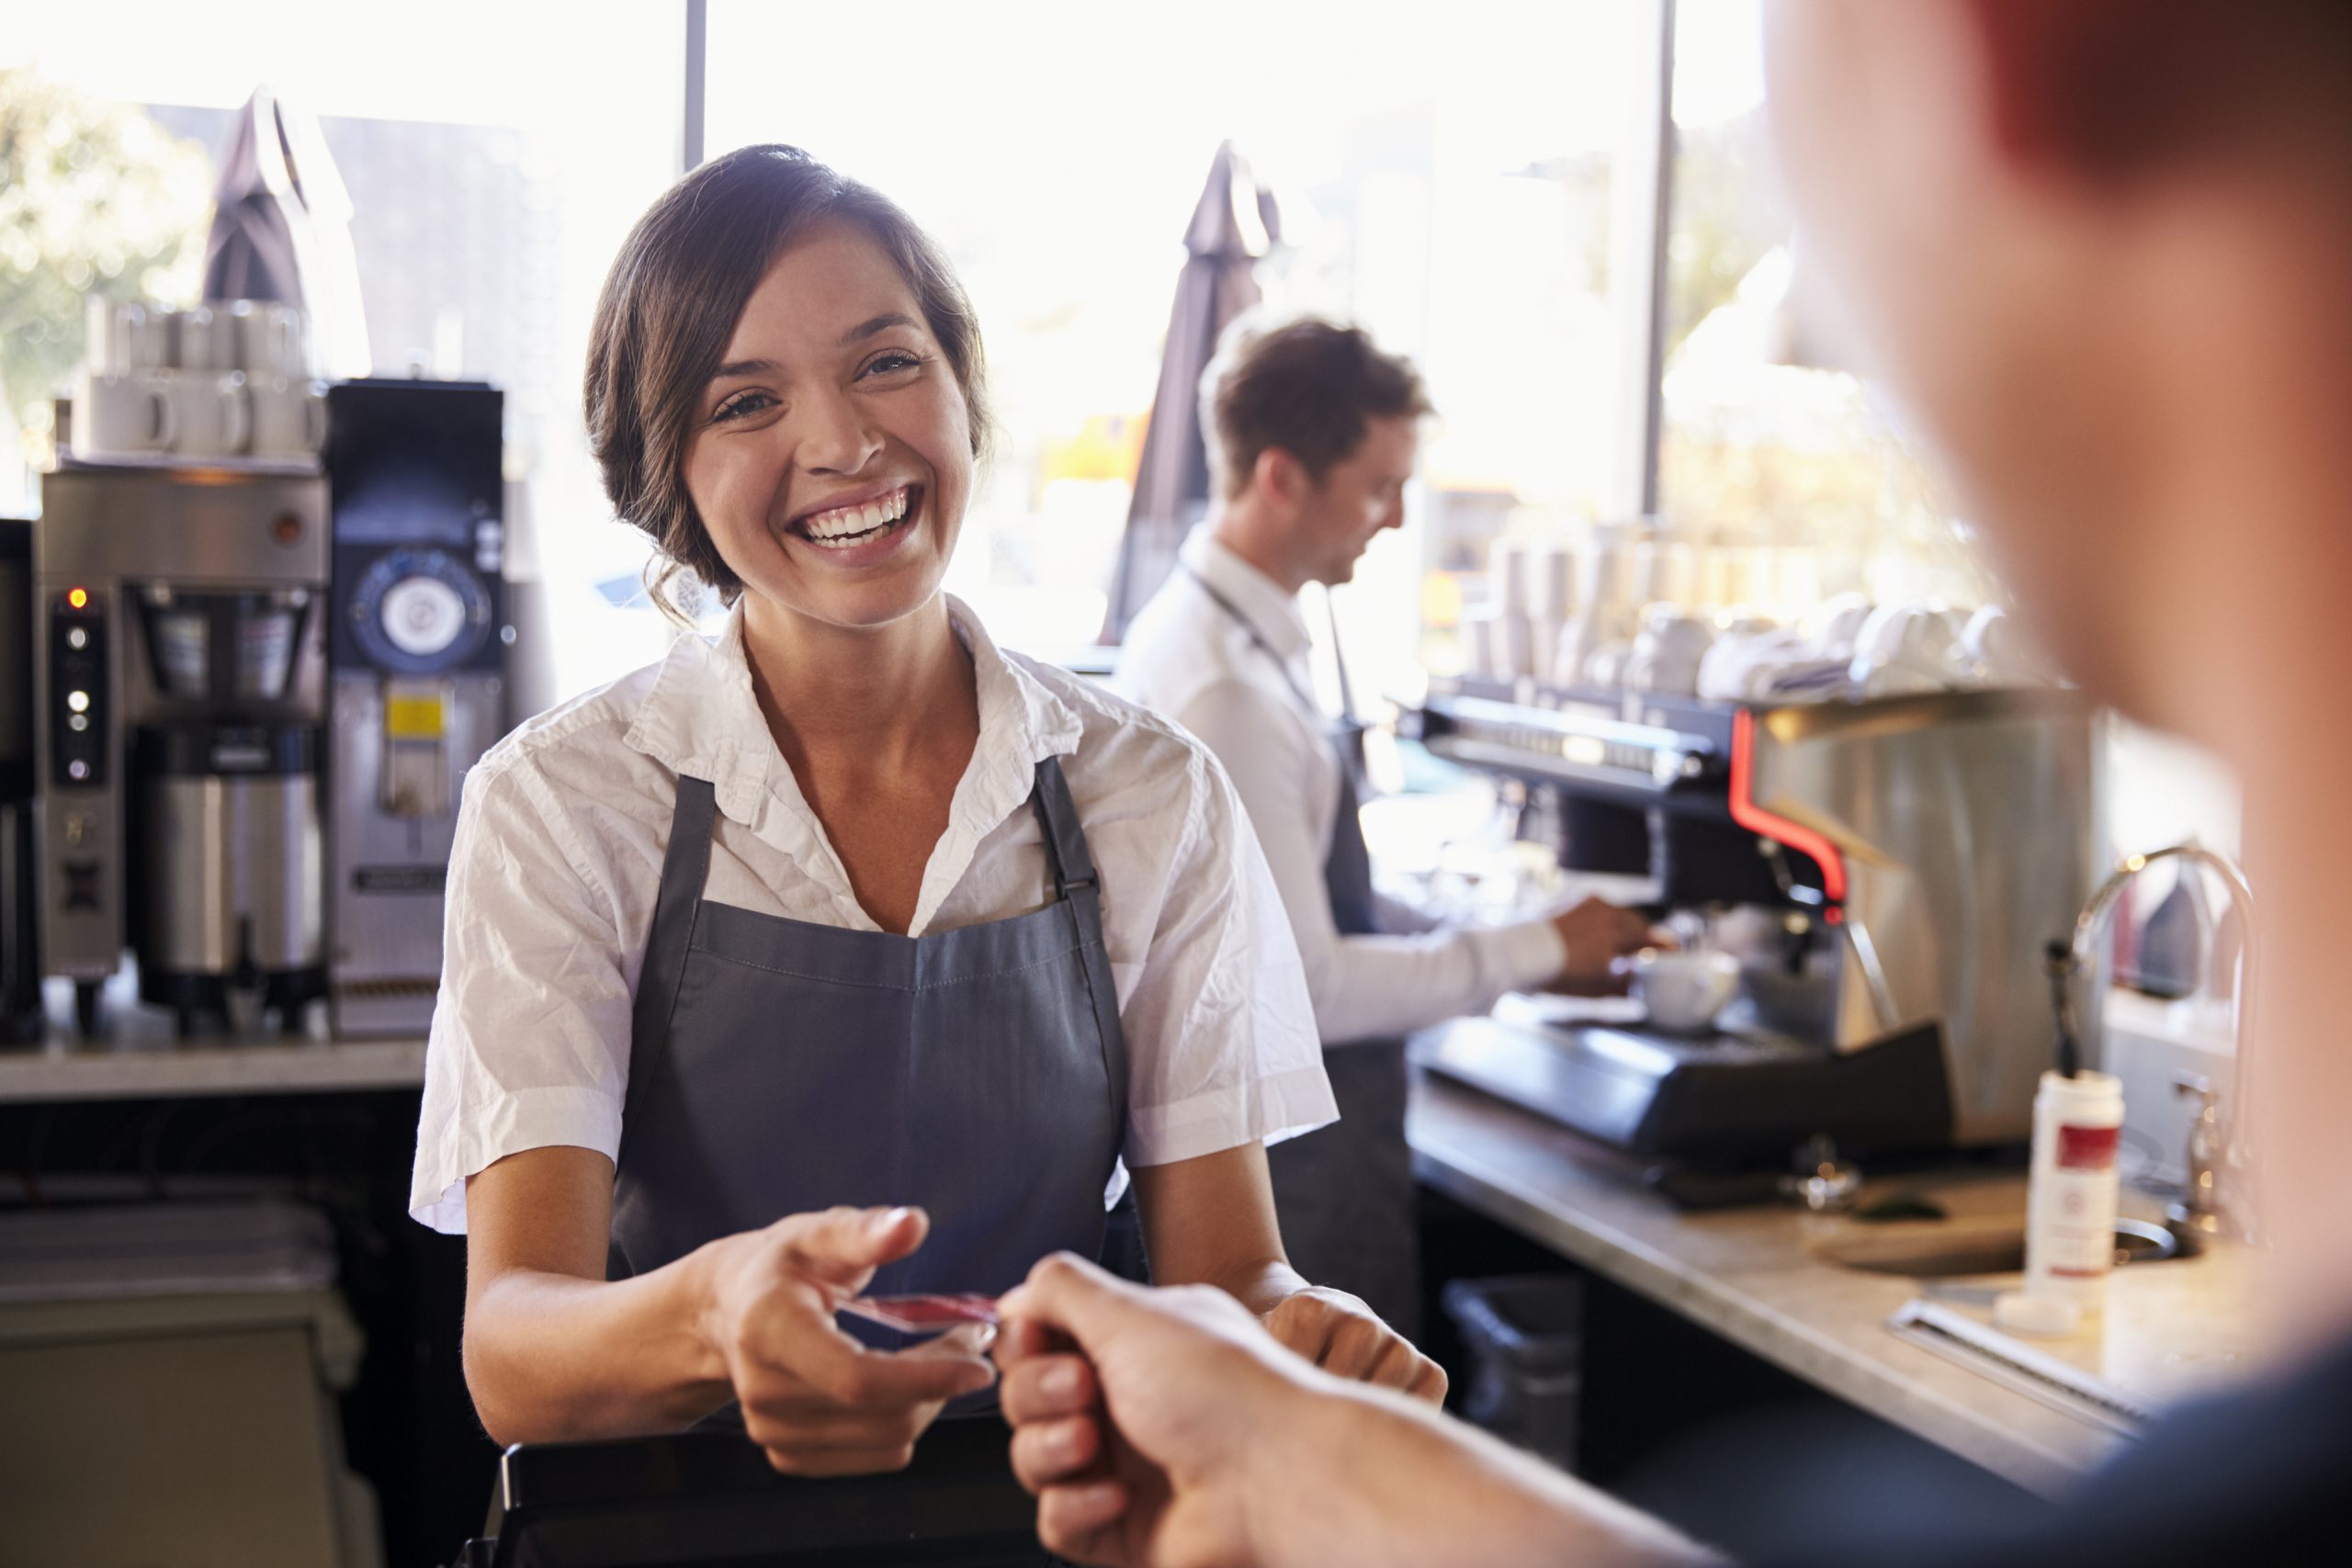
x,y
865,527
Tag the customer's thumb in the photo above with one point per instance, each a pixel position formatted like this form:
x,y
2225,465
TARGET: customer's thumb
x,y
1069,1294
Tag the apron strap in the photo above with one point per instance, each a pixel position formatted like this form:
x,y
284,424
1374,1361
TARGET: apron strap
x,y
1072,864
685,867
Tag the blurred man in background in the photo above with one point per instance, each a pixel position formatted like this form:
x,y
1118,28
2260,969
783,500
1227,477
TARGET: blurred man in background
x,y
1314,432
2101,247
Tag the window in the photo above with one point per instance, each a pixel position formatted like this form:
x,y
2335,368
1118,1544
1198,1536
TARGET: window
x,y
494,162
1788,477
1425,174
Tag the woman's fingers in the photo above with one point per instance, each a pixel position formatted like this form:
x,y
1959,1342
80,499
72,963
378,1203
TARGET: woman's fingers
x,y
1049,1452
837,1368
1403,1368
880,1460
843,1247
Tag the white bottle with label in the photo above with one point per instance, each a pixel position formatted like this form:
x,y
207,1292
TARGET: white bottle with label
x,y
2070,1209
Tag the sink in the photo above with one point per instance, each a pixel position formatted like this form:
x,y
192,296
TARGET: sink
x,y
1935,1249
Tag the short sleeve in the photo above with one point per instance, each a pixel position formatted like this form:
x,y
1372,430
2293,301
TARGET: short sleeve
x,y
530,1037
1221,1039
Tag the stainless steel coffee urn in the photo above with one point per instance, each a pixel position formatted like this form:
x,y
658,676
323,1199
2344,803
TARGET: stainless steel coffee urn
x,y
181,668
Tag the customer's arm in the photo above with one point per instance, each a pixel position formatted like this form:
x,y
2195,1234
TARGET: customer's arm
x,y
1363,986
1179,1435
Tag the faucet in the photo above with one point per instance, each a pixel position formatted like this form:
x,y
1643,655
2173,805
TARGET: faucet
x,y
2196,1216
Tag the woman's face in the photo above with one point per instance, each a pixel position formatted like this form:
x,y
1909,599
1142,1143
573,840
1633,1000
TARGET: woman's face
x,y
831,454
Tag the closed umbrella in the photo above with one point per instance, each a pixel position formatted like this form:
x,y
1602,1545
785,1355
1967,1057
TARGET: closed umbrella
x,y
1233,225
281,231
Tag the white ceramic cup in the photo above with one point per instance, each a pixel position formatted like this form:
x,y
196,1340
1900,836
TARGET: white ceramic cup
x,y
290,416
122,415
1682,991
214,416
1667,655
205,338
124,336
270,339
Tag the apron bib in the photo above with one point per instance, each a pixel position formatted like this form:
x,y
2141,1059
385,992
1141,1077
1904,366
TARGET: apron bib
x,y
779,1066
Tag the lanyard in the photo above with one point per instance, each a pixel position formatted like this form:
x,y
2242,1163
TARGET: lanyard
x,y
1256,639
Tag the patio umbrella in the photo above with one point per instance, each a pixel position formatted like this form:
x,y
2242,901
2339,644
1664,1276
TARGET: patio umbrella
x,y
1233,225
281,231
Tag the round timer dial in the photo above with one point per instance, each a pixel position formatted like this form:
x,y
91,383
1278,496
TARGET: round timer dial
x,y
420,611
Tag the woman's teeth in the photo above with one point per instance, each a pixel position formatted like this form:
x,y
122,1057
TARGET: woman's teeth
x,y
847,525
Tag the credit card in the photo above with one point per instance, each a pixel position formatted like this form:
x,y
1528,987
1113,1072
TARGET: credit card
x,y
924,1313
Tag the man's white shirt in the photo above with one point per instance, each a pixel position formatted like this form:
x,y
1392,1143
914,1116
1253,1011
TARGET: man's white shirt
x,y
1188,658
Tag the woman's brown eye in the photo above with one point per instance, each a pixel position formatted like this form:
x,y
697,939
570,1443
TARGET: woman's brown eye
x,y
737,407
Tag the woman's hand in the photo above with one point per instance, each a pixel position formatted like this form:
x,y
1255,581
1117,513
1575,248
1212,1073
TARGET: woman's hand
x,y
1339,1334
818,1401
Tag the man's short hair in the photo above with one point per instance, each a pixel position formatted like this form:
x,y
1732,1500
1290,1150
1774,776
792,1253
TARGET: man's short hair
x,y
1307,387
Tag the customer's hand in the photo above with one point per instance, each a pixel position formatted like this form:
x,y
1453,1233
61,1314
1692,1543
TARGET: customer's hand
x,y
818,1401
1198,1401
1597,933
1339,1334
1165,1429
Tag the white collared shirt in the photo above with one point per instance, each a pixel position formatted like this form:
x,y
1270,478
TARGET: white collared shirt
x,y
1187,657
557,862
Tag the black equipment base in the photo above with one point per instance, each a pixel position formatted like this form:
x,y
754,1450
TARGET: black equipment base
x,y
708,1498
1713,1099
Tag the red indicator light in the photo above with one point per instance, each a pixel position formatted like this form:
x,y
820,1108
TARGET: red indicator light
x,y
78,597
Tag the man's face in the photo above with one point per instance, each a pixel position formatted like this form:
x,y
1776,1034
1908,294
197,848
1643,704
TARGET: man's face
x,y
1362,494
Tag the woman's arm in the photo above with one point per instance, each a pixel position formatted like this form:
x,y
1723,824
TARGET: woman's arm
x,y
1210,1221
554,1352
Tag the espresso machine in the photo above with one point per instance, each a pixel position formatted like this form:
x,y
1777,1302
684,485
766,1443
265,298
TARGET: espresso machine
x,y
1895,868
418,647
180,673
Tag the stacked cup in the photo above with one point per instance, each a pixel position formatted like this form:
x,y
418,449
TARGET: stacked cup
x,y
225,379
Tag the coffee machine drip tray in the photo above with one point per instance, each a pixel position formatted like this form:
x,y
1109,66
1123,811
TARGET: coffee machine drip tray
x,y
1718,1099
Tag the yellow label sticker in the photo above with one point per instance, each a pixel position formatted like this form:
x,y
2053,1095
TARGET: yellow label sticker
x,y
414,718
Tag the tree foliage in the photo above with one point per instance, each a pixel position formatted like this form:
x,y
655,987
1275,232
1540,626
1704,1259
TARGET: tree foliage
x,y
94,198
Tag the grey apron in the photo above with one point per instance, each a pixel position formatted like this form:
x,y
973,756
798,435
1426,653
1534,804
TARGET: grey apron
x,y
778,1066
1345,1193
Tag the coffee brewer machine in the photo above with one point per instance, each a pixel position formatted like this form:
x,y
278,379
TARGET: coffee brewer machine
x,y
1897,865
181,684
20,1009
420,634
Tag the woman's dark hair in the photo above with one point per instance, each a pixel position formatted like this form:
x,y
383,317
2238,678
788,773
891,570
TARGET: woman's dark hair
x,y
669,308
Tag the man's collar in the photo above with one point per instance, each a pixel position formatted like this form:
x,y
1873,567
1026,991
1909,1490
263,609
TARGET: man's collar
x,y
1274,614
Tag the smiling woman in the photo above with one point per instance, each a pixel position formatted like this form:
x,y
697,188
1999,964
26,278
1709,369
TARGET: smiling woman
x,y
669,344
848,952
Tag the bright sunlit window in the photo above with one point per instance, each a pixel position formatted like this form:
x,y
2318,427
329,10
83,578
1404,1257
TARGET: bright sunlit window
x,y
1447,186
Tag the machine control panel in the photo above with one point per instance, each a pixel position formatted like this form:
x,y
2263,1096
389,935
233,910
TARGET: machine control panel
x,y
78,719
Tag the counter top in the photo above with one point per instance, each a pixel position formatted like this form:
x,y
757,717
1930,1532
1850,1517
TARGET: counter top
x,y
147,1069
1757,1277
